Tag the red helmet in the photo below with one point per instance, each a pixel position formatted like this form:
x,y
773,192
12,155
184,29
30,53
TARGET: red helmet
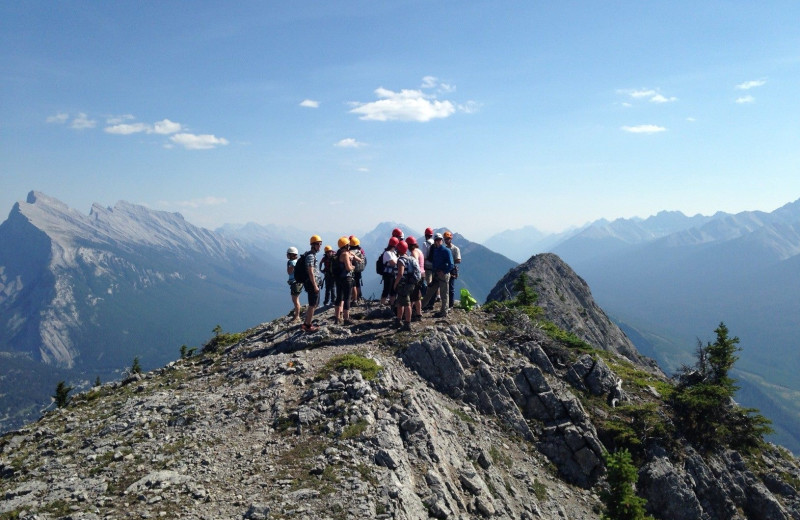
x,y
428,232
411,241
402,247
394,241
396,232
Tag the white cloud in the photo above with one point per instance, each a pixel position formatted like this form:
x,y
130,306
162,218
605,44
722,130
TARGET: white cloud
x,y
82,122
745,99
309,103
406,105
115,120
641,93
747,85
349,142
644,129
470,107
652,95
165,127
363,169
59,118
658,98
429,82
126,129
198,142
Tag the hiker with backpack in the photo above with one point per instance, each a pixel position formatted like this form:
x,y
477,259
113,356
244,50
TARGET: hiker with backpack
x,y
295,288
442,261
448,243
306,272
427,243
343,270
326,267
360,259
406,280
386,266
416,295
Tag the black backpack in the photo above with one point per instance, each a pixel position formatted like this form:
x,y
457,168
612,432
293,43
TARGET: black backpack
x,y
379,267
300,269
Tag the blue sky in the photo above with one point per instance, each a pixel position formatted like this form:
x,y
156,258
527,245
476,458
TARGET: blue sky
x,y
480,116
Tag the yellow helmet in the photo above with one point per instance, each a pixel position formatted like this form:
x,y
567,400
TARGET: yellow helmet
x,y
314,239
344,241
328,248
354,242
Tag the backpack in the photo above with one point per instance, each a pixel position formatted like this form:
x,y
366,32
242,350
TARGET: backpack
x,y
379,267
300,269
411,274
336,266
358,261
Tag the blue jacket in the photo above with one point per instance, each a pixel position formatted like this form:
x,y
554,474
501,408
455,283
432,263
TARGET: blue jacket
x,y
442,259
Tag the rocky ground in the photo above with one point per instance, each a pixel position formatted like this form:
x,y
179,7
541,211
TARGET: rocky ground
x,y
459,418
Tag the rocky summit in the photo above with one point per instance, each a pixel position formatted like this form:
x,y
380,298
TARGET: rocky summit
x,y
484,414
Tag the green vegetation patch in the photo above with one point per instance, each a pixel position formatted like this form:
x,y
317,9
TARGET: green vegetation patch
x,y
369,368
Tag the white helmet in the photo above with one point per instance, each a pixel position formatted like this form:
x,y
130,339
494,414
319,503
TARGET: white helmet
x,y
291,251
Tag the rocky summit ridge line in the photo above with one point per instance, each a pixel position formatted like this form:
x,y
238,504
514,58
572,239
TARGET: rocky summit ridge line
x,y
469,417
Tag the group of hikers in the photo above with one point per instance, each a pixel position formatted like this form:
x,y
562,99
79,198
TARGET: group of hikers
x,y
414,276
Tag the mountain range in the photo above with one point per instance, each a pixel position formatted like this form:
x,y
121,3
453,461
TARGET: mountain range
x,y
669,277
82,295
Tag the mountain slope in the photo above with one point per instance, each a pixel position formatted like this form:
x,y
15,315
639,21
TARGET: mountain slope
x,y
91,292
458,419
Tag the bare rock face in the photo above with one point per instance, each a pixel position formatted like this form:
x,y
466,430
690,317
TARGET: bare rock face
x,y
567,301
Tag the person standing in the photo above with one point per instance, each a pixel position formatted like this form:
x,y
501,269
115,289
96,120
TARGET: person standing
x,y
344,280
448,242
389,259
294,288
404,284
312,283
416,294
360,259
326,267
442,260
427,244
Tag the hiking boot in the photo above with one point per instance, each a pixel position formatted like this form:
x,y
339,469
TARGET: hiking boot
x,y
416,317
396,323
310,328
406,327
348,322
440,314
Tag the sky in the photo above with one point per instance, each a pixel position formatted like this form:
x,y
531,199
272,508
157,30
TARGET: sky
x,y
473,115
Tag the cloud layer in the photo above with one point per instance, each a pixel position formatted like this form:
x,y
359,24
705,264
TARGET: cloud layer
x,y
123,125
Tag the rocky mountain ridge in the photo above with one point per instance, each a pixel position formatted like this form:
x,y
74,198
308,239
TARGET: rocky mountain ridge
x,y
482,415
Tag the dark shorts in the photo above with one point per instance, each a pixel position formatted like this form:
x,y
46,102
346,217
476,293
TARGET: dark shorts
x,y
388,286
416,294
313,296
344,285
295,288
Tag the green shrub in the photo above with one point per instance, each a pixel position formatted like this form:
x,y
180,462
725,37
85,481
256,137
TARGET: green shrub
x,y
368,367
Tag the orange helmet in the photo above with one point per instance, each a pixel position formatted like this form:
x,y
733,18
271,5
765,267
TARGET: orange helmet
x,y
314,239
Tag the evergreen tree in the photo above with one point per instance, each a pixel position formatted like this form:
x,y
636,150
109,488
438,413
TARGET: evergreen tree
x,y
704,401
620,500
136,368
62,394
